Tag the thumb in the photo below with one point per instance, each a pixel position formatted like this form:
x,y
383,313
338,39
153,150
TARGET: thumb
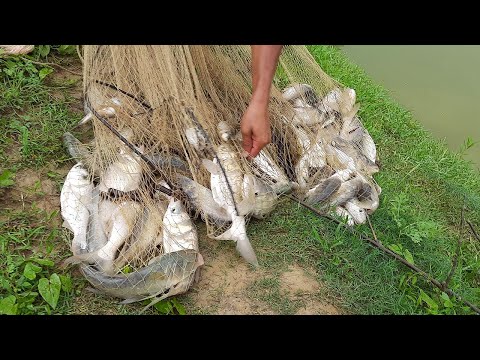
x,y
255,149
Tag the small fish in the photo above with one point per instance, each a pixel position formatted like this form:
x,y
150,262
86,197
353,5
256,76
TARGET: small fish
x,y
368,147
124,174
264,198
224,130
328,187
340,101
238,233
343,213
263,165
75,200
167,161
172,271
338,160
76,148
96,235
145,236
196,138
347,191
362,163
179,232
202,199
357,213
304,91
307,116
120,228
352,129
368,195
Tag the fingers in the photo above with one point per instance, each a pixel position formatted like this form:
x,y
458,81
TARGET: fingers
x,y
247,142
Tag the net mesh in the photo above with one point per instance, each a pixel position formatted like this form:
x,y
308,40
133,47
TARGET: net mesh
x,y
167,148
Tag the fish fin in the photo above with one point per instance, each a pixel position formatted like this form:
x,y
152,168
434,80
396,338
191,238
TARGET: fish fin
x,y
246,251
235,231
130,300
211,166
85,119
95,291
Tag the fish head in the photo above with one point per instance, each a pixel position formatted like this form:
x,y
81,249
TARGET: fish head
x,y
175,207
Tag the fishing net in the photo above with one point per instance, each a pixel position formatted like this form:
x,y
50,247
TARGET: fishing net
x,y
167,149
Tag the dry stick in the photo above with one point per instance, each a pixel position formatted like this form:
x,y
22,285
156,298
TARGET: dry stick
x,y
373,231
391,253
52,64
457,250
473,230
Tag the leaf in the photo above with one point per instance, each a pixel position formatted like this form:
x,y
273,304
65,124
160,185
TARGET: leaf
x,y
44,72
8,306
164,307
44,50
408,256
428,300
66,283
31,270
44,262
397,248
179,307
446,300
6,178
50,290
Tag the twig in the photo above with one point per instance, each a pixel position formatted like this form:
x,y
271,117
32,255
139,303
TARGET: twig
x,y
52,64
379,245
373,231
473,230
457,250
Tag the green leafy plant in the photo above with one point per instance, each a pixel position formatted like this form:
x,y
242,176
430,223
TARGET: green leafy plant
x,y
6,178
170,307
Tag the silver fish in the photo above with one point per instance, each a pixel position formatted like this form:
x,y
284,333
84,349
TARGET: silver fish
x,y
228,195
340,101
368,147
148,235
76,148
362,163
96,236
327,187
75,200
347,191
166,161
264,198
196,138
167,271
122,222
224,130
202,199
338,160
296,91
179,232
307,116
264,165
238,233
368,196
124,174
358,214
343,213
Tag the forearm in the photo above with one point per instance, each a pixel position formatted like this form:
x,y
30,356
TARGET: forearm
x,y
264,64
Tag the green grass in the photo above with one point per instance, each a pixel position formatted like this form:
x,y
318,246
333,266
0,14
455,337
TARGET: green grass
x,y
424,186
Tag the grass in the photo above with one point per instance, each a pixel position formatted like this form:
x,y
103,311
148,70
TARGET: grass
x,y
424,187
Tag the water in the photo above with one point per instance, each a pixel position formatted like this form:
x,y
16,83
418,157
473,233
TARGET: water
x,y
440,84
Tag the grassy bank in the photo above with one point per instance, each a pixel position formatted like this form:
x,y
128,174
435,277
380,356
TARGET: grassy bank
x,y
424,187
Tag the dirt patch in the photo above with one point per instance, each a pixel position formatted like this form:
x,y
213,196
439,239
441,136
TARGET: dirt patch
x,y
223,284
300,285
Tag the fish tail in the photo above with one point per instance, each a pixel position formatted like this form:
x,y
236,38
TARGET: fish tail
x,y
246,251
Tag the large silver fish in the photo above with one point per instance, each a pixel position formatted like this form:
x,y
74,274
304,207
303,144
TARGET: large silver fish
x,y
75,200
307,116
202,199
124,174
179,232
121,226
173,271
227,185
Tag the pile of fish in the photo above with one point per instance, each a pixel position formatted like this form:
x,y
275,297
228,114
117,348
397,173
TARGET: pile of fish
x,y
336,146
159,239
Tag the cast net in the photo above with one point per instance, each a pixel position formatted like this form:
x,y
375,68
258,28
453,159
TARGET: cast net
x,y
167,149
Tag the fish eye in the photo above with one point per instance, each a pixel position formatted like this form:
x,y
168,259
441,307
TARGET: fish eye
x,y
256,193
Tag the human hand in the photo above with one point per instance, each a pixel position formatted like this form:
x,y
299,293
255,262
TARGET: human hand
x,y
255,128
